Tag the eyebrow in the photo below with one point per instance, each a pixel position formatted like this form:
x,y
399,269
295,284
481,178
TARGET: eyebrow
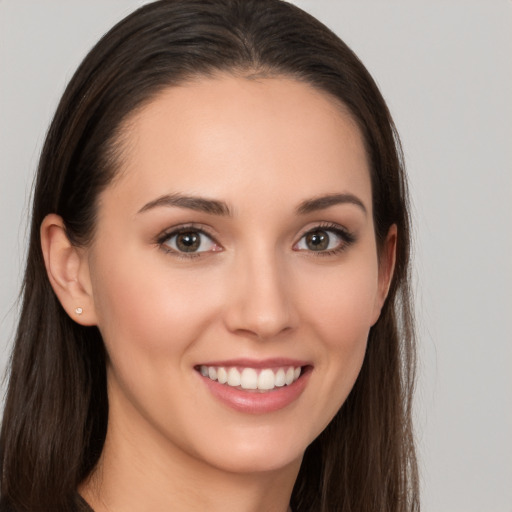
x,y
323,202
216,207
200,204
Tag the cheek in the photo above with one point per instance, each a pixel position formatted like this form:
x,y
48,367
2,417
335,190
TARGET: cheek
x,y
341,313
343,302
344,321
145,306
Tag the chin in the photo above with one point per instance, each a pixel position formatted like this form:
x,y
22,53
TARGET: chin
x,y
259,461
257,453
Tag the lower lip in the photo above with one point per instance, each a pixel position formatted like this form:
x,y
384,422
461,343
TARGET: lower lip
x,y
254,402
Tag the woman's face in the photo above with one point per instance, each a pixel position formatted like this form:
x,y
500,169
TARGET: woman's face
x,y
236,243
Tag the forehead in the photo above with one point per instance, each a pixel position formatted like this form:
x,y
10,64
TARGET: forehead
x,y
229,134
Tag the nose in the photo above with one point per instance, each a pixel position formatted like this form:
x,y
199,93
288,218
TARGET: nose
x,y
260,299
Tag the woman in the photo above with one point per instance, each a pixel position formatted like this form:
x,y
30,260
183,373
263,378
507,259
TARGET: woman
x,y
216,309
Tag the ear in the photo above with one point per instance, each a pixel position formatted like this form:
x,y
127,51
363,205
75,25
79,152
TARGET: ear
x,y
68,271
387,261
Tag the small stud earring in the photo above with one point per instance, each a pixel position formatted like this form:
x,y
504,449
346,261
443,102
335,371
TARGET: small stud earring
x,y
79,311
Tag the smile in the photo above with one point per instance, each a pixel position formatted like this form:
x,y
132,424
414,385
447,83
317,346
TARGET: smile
x,y
262,379
256,387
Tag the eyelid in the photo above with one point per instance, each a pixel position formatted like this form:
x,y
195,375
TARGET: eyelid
x,y
340,231
168,233
347,236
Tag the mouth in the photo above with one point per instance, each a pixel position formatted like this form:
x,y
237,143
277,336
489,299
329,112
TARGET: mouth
x,y
256,387
252,379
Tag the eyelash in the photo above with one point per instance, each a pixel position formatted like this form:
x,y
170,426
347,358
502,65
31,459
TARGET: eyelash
x,y
347,238
171,233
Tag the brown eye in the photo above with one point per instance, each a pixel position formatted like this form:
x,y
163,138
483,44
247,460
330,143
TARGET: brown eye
x,y
190,241
317,240
325,240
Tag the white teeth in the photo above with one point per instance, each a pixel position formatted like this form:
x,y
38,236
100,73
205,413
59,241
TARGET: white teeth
x,y
280,378
252,379
249,379
266,380
222,375
233,377
289,376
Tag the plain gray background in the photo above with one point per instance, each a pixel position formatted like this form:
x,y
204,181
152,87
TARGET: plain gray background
x,y
445,68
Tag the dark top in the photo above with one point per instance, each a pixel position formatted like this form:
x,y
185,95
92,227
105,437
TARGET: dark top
x,y
83,506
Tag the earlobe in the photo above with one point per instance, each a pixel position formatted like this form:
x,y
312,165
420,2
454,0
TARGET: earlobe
x,y
68,271
387,261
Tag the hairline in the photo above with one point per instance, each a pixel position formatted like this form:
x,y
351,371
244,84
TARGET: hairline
x,y
118,142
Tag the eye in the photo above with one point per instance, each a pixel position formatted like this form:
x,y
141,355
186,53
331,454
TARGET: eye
x,y
327,240
189,240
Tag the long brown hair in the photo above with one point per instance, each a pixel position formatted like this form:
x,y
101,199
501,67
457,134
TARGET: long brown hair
x,y
56,409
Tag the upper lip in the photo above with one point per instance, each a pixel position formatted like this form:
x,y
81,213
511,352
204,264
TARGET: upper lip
x,y
275,362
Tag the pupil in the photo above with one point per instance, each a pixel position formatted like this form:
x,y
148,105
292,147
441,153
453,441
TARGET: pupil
x,y
317,241
188,242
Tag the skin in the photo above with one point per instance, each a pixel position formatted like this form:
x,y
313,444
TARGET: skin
x,y
256,291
